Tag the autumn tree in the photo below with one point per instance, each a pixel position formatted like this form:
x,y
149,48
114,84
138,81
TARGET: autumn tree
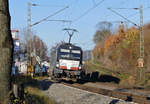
x,y
6,48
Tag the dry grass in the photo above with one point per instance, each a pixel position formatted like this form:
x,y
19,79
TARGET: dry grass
x,y
33,95
36,96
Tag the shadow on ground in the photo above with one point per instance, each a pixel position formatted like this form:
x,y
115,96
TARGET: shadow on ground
x,y
28,81
44,84
114,101
96,77
89,77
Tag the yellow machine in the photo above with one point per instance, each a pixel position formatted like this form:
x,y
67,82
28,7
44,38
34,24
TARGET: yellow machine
x,y
30,69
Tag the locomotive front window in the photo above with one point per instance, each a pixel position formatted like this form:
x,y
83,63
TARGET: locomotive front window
x,y
64,55
75,56
76,51
65,50
70,54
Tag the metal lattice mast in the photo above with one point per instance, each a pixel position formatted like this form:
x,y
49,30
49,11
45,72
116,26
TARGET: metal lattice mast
x,y
29,17
141,34
29,28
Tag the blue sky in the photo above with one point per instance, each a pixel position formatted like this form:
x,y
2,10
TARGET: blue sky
x,y
51,32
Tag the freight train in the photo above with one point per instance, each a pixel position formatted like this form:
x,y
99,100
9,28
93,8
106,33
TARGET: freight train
x,y
67,62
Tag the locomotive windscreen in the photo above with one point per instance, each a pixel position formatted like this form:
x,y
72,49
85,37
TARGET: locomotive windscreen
x,y
64,53
70,54
75,54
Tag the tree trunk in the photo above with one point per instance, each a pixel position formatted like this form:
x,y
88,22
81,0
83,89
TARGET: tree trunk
x,y
6,48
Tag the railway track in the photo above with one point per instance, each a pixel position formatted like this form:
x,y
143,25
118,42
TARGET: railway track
x,y
111,93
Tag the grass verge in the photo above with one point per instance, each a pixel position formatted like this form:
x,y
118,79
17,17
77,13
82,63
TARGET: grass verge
x,y
35,96
32,95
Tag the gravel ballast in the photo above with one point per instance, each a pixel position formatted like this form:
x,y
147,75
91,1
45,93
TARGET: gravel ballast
x,y
63,94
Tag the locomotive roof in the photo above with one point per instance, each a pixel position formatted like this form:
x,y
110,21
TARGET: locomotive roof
x,y
67,46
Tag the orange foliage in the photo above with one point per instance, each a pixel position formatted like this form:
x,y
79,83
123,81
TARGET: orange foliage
x,y
98,51
108,43
114,40
123,49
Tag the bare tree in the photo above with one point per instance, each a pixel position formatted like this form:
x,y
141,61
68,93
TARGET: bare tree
x,y
33,43
27,40
53,54
104,30
6,48
40,47
104,25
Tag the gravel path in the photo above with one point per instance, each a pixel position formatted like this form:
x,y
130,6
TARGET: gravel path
x,y
63,94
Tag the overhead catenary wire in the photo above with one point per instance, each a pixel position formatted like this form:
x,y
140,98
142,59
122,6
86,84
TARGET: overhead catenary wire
x,y
123,17
125,8
132,15
89,10
117,21
68,16
69,21
134,9
40,5
94,3
44,19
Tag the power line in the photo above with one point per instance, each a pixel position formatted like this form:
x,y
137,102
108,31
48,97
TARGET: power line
x,y
69,21
123,17
125,8
133,13
94,3
136,8
69,16
89,10
116,21
44,19
48,5
66,15
140,27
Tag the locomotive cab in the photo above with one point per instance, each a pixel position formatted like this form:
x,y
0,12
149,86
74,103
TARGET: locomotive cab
x,y
69,61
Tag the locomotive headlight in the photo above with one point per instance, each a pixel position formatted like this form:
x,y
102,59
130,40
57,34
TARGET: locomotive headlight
x,y
80,66
57,65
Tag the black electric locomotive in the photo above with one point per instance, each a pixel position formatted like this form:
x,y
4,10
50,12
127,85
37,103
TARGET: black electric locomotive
x,y
68,62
